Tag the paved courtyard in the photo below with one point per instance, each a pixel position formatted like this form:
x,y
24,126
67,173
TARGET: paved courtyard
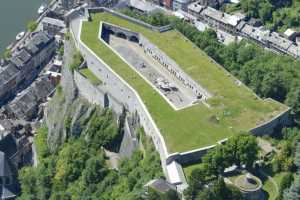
x,y
168,85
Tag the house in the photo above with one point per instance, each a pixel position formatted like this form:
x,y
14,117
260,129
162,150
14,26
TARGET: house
x,y
8,186
26,105
180,4
161,187
25,65
52,26
292,34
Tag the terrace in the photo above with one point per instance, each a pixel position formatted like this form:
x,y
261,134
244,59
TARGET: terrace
x,y
232,108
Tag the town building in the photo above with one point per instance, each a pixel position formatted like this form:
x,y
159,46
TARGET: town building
x,y
8,186
220,20
143,6
52,26
211,3
26,105
292,34
160,186
68,4
180,4
25,65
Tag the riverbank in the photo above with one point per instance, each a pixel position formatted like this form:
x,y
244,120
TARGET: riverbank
x,y
14,15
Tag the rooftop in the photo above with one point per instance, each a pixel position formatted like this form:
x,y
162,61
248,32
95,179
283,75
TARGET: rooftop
x,y
221,16
233,107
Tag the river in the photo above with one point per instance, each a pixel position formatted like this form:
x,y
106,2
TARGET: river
x,y
14,15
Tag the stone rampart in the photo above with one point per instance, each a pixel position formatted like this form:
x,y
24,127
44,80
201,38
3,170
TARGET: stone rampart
x,y
88,12
267,128
119,89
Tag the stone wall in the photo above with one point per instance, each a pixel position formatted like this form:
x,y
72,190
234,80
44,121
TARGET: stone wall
x,y
129,143
116,87
267,128
88,11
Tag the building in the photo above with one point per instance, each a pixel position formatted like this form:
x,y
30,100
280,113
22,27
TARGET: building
x,y
220,20
52,26
26,105
211,3
10,77
195,9
292,34
180,4
68,4
8,186
25,65
142,6
167,4
160,186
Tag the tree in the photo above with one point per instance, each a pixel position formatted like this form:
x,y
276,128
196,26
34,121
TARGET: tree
x,y
31,26
196,180
94,170
293,193
293,100
285,183
297,156
241,149
219,190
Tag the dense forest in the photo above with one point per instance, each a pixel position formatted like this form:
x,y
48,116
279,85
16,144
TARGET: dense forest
x,y
275,14
80,170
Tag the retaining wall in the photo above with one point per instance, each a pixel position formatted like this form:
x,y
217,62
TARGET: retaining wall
x,y
267,128
116,87
88,12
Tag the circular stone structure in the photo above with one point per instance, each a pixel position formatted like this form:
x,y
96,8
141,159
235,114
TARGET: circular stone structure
x,y
250,186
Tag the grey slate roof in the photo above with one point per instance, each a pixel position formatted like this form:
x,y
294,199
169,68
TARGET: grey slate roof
x,y
30,98
195,7
220,16
8,73
8,192
38,42
21,58
4,166
161,185
53,21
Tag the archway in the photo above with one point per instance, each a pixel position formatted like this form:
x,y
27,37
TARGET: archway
x,y
121,35
133,38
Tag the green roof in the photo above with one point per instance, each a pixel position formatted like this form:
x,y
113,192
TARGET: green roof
x,y
237,108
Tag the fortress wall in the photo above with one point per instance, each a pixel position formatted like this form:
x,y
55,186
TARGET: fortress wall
x,y
283,119
88,11
116,87
95,94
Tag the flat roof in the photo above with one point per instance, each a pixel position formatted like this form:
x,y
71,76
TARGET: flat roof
x,y
233,107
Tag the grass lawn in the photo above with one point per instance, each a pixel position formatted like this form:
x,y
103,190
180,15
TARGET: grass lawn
x,y
188,169
89,75
237,108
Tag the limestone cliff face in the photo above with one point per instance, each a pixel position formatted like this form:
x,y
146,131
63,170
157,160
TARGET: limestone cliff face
x,y
66,112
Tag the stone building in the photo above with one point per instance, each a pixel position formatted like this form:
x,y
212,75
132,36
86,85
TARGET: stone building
x,y
52,26
26,105
25,65
8,186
